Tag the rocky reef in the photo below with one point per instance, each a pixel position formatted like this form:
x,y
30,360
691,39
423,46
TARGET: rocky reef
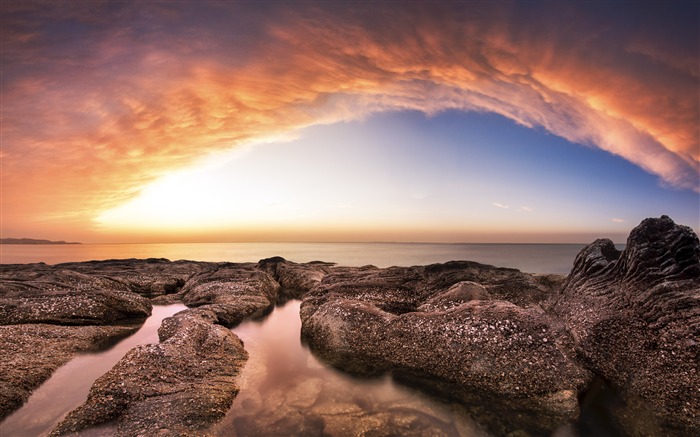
x,y
470,331
522,352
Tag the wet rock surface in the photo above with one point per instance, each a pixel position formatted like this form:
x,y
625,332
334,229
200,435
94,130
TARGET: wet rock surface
x,y
469,331
181,385
635,319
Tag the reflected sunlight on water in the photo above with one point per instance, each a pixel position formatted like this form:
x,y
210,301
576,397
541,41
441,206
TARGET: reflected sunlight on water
x,y
532,258
69,385
285,390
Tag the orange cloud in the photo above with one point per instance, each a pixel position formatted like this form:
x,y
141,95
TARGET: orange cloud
x,y
94,107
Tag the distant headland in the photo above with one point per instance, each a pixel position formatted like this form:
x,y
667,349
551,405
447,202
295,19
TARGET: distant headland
x,y
31,241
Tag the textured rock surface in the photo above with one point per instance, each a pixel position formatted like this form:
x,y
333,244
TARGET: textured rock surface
x,y
295,279
233,291
177,387
42,294
29,353
635,318
50,313
182,385
475,332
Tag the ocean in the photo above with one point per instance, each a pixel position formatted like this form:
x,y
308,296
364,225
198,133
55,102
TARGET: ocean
x,y
531,258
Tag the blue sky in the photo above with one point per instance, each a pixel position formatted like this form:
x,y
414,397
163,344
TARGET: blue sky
x,y
452,177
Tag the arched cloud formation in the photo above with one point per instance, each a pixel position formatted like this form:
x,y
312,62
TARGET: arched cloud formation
x,y
100,98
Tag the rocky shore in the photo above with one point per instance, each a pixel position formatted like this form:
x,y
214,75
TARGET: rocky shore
x,y
520,351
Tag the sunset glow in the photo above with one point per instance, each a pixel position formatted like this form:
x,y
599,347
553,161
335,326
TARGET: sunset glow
x,y
283,121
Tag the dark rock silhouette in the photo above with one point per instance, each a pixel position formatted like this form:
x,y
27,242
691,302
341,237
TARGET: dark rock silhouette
x,y
635,318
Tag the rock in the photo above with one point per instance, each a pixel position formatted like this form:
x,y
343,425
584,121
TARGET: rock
x,y
29,354
290,423
233,291
43,294
456,295
180,386
295,279
635,318
151,278
75,308
448,327
304,394
183,385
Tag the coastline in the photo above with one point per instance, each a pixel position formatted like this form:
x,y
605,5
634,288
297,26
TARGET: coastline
x,y
529,347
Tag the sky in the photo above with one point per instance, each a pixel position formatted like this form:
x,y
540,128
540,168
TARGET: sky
x,y
168,121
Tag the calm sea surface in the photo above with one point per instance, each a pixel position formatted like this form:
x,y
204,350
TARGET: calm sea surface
x,y
533,258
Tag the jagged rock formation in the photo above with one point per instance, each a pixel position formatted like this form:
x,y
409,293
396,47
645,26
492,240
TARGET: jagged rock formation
x,y
635,319
451,327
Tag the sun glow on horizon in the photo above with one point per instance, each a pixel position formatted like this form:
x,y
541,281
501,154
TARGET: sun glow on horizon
x,y
395,177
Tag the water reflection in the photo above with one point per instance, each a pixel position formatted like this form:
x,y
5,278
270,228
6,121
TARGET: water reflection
x,y
68,386
285,390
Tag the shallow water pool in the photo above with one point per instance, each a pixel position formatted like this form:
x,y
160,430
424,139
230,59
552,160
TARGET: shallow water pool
x,y
68,386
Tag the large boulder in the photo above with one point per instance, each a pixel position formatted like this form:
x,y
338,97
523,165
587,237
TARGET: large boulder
x,y
473,332
635,319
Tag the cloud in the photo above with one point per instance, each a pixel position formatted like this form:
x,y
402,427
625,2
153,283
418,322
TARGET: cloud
x,y
617,220
100,100
499,205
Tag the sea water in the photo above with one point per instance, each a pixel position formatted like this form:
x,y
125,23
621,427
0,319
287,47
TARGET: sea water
x,y
531,258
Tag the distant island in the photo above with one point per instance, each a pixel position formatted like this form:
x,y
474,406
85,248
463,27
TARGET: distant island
x,y
31,241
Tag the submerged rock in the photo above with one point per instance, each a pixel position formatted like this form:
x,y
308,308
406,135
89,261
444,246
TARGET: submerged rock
x,y
635,319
